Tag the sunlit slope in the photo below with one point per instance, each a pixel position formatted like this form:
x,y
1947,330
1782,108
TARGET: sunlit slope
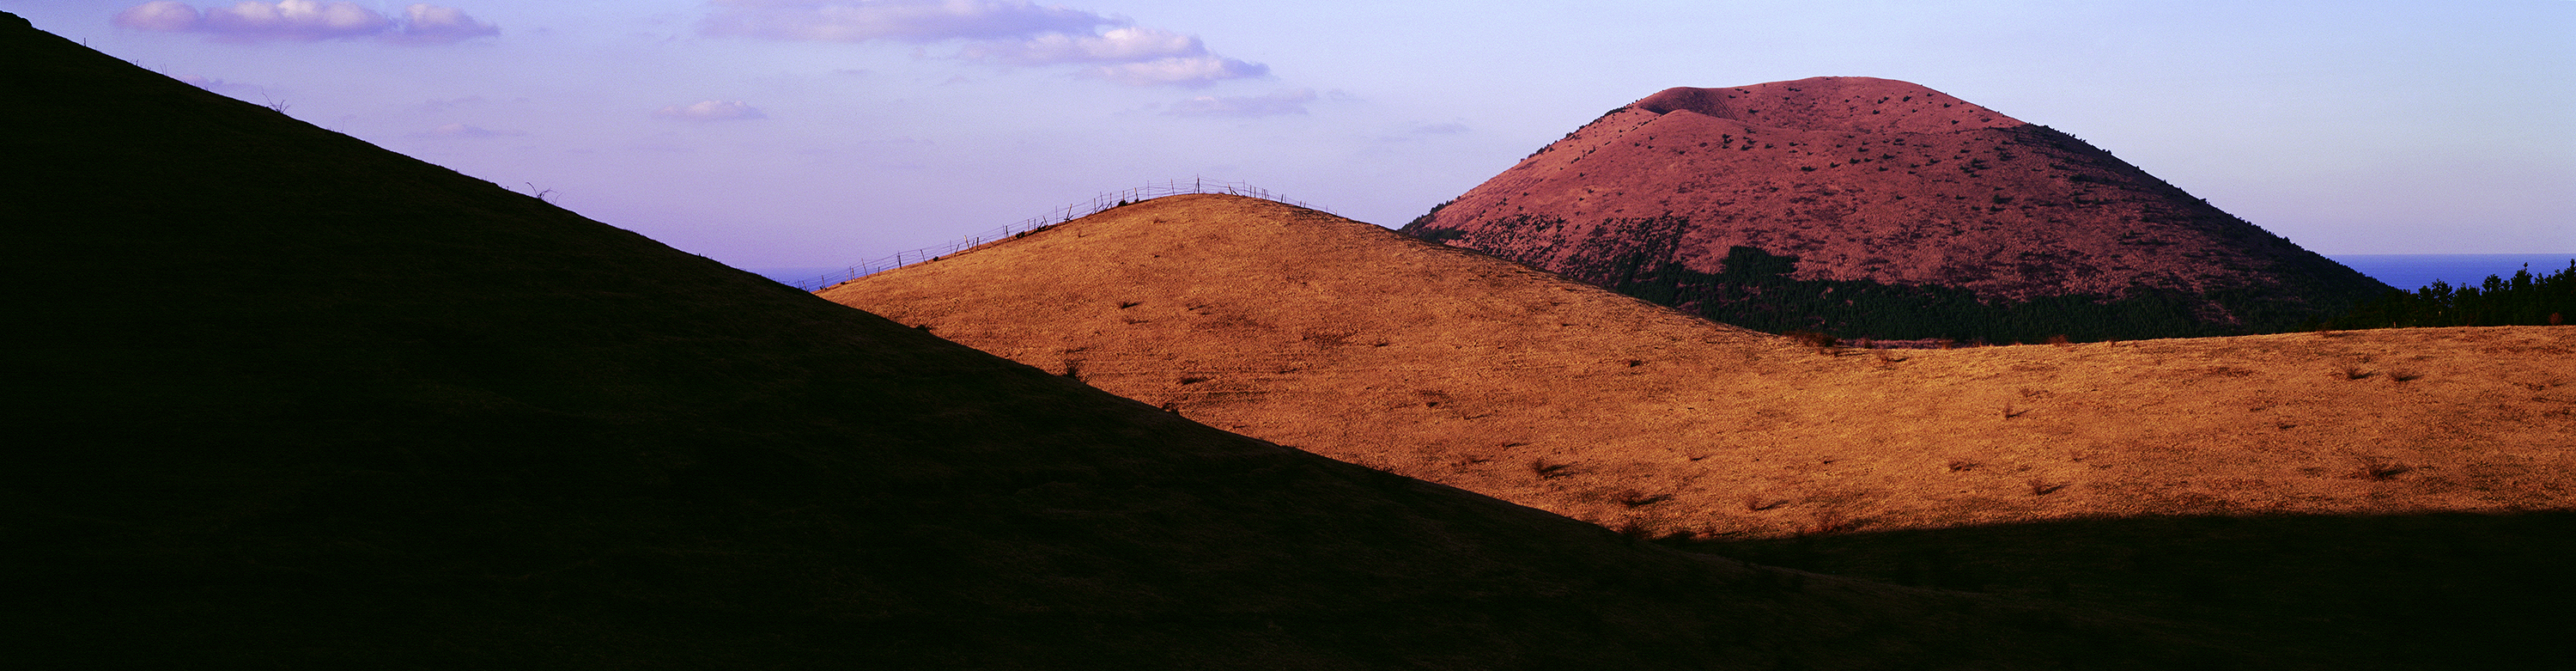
x,y
279,398
1337,337
1877,208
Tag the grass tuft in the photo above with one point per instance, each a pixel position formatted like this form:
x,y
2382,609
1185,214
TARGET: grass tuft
x,y
1830,520
1824,344
2381,469
1634,498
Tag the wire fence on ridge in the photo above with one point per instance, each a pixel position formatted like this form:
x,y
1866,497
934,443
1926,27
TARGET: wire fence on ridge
x,y
1060,215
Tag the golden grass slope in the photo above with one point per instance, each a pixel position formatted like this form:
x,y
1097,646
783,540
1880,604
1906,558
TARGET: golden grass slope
x,y
1357,343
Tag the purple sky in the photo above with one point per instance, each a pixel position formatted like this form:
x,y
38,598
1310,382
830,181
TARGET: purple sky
x,y
774,133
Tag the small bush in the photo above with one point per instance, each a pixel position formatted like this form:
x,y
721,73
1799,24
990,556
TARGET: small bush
x,y
1830,521
1441,234
2381,470
1824,344
1638,499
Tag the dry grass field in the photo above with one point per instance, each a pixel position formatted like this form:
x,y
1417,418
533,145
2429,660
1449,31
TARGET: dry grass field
x,y
1353,342
1342,338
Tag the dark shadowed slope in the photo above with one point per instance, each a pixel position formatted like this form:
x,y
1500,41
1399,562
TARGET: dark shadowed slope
x,y
1877,208
281,399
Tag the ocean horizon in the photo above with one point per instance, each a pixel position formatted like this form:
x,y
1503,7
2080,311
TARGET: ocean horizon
x,y
2415,271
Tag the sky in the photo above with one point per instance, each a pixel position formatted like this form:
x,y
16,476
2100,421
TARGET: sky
x,y
812,133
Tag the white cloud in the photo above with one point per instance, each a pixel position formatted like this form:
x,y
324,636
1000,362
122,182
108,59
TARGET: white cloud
x,y
711,110
1118,45
906,20
1007,32
432,24
294,20
164,16
305,21
1283,102
1185,71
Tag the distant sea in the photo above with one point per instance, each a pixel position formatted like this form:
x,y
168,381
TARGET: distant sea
x,y
2413,271
2404,271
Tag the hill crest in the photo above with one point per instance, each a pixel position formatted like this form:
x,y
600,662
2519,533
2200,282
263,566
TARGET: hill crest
x,y
1920,221
1860,104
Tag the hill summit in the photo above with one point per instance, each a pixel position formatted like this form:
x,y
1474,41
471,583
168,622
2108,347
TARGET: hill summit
x,y
1878,208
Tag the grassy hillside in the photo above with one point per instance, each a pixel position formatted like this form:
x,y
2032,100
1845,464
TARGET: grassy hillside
x,y
2413,466
280,399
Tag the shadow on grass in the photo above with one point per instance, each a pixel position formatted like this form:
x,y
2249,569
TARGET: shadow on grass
x,y
2449,590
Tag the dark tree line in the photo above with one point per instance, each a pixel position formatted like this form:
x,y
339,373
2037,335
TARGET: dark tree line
x,y
2524,299
1754,290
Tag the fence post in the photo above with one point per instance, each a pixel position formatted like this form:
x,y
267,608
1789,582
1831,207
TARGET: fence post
x,y
1099,203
